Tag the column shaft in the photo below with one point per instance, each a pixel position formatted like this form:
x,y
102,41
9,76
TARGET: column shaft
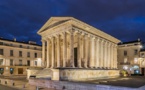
x,y
86,50
102,54
108,55
58,51
52,61
78,51
72,49
64,49
43,52
97,53
92,56
47,66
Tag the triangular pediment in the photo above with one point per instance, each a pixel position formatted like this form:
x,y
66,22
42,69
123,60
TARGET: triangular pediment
x,y
54,21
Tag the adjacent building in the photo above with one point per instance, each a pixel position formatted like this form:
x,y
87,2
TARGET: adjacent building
x,y
16,57
129,56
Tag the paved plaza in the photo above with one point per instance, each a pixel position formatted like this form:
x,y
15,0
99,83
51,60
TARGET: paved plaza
x,y
22,84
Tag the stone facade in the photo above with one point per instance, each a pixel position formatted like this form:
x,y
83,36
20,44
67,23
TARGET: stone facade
x,y
70,43
16,56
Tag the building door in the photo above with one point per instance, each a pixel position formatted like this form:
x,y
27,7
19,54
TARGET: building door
x,y
20,70
142,71
75,57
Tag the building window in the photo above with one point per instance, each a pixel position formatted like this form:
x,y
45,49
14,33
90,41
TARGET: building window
x,y
11,62
1,61
28,54
1,52
20,46
35,54
125,53
35,63
135,52
20,53
28,62
20,62
11,52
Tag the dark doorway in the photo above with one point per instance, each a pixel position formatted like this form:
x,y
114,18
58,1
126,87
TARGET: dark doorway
x,y
20,70
142,71
75,57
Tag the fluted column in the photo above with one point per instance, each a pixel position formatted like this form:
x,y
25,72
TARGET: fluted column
x,y
79,50
111,55
105,54
72,48
109,61
64,49
97,52
58,50
115,56
52,57
101,61
86,50
43,52
92,56
83,50
47,66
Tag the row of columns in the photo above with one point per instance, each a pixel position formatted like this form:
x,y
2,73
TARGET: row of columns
x,y
92,51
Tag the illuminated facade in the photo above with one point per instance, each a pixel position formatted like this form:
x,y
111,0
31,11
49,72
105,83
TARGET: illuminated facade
x,y
77,50
129,56
16,57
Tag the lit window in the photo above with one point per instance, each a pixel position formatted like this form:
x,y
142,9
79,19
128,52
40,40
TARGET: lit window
x,y
125,60
135,60
125,67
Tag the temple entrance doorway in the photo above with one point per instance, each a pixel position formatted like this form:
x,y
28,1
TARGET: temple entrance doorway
x,y
75,57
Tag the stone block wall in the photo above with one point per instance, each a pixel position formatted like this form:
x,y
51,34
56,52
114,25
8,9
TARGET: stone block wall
x,y
87,74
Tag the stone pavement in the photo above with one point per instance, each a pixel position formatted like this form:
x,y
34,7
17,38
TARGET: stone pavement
x,y
19,84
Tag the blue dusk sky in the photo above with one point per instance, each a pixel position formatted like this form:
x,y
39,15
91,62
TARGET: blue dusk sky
x,y
123,19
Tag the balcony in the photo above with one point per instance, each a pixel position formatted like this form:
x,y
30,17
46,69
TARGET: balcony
x,y
123,63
